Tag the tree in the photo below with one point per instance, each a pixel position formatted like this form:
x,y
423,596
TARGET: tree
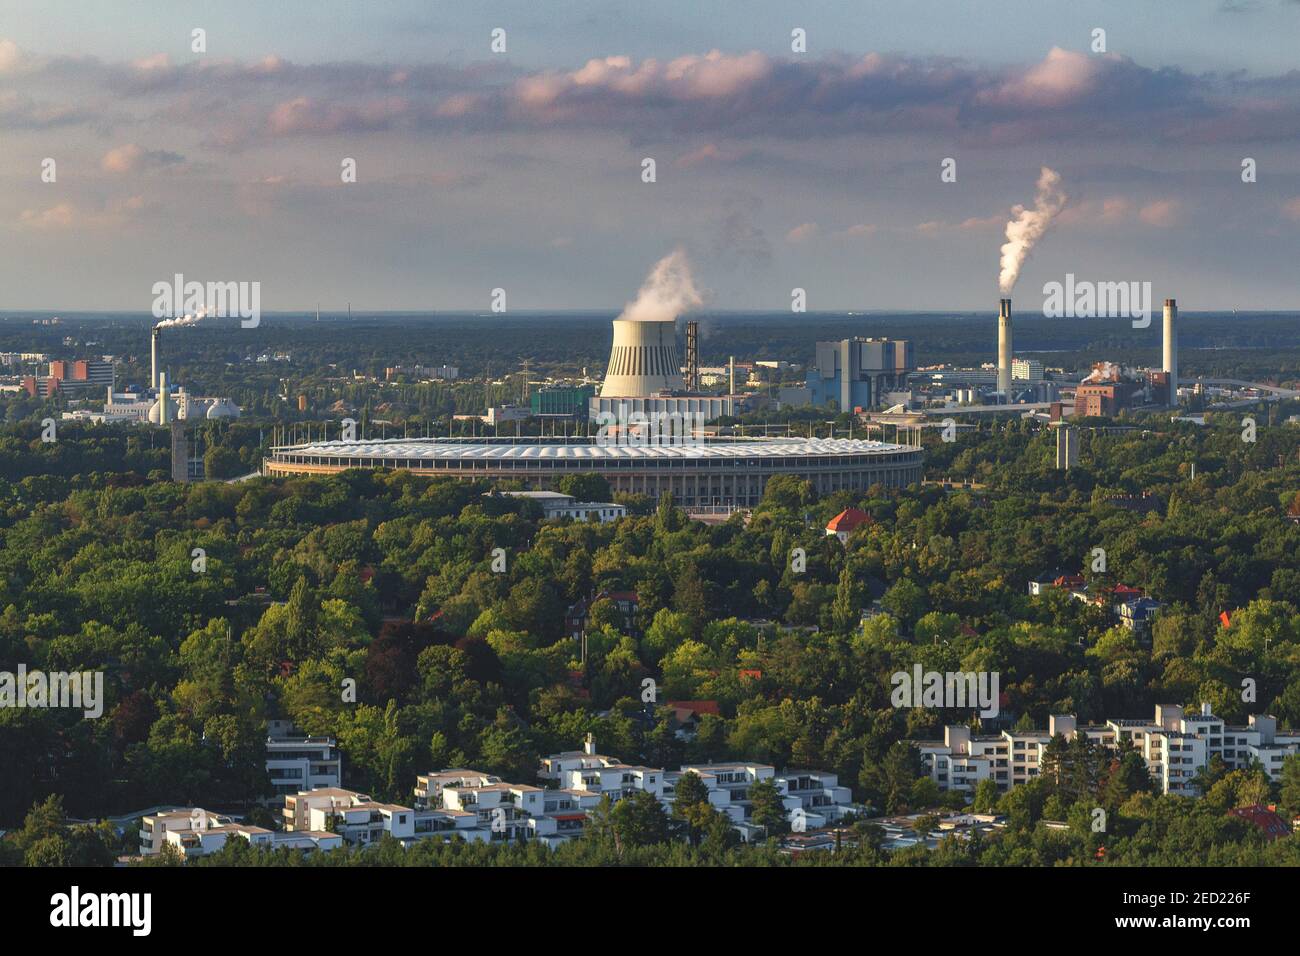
x,y
586,487
986,796
220,462
889,782
691,805
639,820
925,824
846,611
766,808
1290,794
1129,775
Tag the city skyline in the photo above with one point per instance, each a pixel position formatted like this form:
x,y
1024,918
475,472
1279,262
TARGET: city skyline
x,y
522,170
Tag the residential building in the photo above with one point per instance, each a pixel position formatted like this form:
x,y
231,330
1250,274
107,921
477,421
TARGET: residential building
x,y
197,832
353,816
1137,613
625,602
1175,747
1026,370
557,505
429,786
296,763
1055,578
846,522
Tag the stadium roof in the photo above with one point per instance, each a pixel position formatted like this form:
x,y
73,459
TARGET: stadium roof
x,y
744,448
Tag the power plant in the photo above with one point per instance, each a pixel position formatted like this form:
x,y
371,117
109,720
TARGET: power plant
x,y
1004,349
643,360
644,376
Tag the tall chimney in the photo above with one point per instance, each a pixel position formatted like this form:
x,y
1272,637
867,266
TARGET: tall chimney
x,y
1004,349
1171,348
692,356
153,357
164,405
731,367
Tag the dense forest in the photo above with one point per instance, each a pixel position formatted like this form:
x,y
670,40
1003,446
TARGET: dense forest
x,y
386,579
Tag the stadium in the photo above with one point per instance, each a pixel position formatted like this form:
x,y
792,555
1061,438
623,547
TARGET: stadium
x,y
726,473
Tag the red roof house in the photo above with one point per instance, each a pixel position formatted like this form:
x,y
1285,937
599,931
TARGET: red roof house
x,y
846,522
1266,818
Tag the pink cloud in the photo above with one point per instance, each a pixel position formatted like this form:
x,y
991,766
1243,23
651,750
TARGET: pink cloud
x,y
859,231
62,216
802,232
1162,213
974,223
1062,77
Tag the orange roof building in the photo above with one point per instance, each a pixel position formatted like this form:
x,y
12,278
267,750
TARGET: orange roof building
x,y
846,522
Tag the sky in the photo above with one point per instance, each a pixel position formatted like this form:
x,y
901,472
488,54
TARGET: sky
x,y
775,169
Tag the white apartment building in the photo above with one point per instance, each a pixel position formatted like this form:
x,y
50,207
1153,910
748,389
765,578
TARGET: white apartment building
x,y
299,763
198,832
1175,747
480,807
353,816
812,798
429,786
1026,370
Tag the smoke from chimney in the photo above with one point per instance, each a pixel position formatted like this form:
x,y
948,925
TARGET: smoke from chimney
x,y
666,293
1027,226
190,318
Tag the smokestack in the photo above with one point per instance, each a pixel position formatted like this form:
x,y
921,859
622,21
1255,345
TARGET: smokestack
x,y
164,409
1171,348
1004,349
731,369
692,356
153,357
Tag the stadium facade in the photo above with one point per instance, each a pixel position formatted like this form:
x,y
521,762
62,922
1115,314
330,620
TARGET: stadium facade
x,y
714,473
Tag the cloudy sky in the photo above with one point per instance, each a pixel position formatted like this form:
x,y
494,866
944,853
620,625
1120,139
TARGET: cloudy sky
x,y
522,170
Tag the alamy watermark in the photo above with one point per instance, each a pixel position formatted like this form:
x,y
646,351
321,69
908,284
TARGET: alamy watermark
x,y
1098,300
634,429
79,690
959,689
178,298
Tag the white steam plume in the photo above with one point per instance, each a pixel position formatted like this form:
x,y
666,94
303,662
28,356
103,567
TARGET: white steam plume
x,y
1027,226
190,318
666,293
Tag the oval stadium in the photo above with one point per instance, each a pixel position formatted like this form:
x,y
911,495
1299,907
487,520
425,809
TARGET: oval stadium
x,y
715,473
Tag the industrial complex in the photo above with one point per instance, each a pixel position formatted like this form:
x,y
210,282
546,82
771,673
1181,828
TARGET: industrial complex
x,y
643,385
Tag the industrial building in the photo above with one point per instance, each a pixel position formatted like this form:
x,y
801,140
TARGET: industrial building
x,y
858,372
644,377
561,401
70,377
716,472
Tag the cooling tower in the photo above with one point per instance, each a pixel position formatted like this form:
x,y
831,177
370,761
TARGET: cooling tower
x,y
1171,348
1004,349
643,360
